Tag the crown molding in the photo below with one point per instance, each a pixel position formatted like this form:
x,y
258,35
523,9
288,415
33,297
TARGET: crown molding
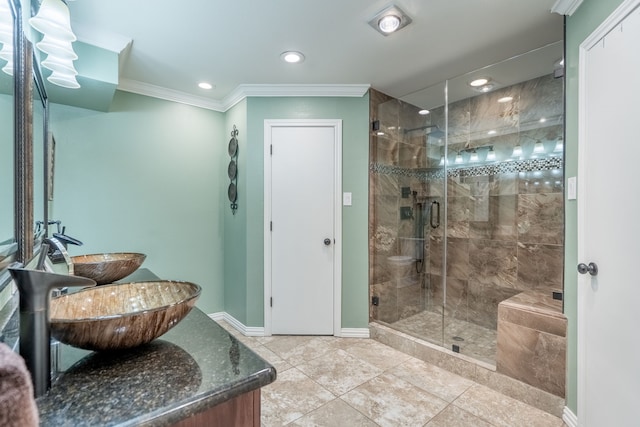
x,y
566,7
153,91
244,91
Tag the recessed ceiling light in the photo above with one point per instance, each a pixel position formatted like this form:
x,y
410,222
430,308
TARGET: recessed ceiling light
x,y
505,99
390,20
479,82
205,85
492,132
292,57
389,23
423,112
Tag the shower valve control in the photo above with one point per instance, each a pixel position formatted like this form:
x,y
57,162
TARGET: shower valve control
x,y
592,268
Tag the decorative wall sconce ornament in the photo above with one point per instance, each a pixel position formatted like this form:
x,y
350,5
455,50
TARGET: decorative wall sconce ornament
x,y
232,170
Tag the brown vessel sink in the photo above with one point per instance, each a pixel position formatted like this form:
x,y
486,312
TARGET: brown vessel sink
x,y
108,267
120,316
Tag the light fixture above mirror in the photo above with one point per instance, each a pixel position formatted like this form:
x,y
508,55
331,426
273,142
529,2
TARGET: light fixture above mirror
x,y
54,22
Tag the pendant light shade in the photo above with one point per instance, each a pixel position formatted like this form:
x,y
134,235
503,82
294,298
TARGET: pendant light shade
x,y
65,80
8,68
64,66
54,20
58,48
6,52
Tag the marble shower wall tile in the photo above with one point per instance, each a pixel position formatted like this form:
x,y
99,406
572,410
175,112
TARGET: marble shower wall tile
x,y
387,309
489,114
386,151
549,181
493,262
541,97
459,121
457,216
540,267
458,258
541,218
484,300
385,185
493,217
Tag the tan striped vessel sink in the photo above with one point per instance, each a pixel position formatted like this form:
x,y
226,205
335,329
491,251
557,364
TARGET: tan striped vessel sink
x,y
107,268
120,316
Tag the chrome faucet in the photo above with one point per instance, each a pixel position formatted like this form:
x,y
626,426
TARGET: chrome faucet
x,y
35,289
57,252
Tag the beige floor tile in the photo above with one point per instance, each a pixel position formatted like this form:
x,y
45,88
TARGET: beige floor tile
x,y
433,379
338,371
454,416
334,414
299,349
376,354
390,401
279,363
290,397
501,410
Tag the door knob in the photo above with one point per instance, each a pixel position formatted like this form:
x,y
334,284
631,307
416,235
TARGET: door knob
x,y
327,241
592,268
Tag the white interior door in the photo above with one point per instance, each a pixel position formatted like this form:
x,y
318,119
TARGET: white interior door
x,y
303,229
609,226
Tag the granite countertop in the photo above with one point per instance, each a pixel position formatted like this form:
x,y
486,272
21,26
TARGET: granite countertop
x,y
194,366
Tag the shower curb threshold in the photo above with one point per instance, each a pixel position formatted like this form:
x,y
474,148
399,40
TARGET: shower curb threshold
x,y
467,367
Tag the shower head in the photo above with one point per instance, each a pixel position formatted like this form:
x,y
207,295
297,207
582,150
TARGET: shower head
x,y
429,130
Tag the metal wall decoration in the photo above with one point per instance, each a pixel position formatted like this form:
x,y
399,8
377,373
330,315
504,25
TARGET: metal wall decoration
x,y
232,170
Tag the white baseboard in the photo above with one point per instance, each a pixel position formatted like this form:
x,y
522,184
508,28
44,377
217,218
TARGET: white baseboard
x,y
258,331
354,332
249,331
569,418
217,316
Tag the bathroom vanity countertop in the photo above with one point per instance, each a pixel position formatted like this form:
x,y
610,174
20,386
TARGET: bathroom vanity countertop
x,y
193,367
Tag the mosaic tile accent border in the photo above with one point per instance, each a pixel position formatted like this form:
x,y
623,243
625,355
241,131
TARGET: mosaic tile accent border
x,y
483,170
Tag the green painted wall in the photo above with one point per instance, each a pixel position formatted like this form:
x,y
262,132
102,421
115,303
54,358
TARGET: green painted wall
x,y
354,113
6,167
145,177
235,226
578,27
151,176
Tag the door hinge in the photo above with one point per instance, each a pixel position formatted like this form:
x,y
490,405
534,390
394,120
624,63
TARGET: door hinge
x,y
271,149
271,302
270,225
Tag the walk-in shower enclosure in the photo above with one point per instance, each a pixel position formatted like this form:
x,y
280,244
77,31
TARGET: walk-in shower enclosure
x,y
466,200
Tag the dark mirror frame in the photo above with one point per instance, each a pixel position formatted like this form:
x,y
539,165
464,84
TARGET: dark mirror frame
x,y
27,76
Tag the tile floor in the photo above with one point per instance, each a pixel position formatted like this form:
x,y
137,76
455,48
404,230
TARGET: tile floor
x,y
328,381
477,342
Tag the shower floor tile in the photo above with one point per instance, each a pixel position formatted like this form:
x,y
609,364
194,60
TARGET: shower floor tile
x,y
328,381
474,340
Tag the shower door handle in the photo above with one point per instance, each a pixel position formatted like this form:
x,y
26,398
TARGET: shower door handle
x,y
433,220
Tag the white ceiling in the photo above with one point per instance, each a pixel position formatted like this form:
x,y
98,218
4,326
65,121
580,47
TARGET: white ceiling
x,y
177,44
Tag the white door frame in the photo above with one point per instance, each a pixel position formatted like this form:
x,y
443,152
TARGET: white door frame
x,y
337,215
583,104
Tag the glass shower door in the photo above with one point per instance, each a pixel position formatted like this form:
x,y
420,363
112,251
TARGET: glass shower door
x,y
407,173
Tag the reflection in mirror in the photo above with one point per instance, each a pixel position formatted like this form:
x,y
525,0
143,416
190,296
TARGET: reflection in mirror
x,y
39,133
8,245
